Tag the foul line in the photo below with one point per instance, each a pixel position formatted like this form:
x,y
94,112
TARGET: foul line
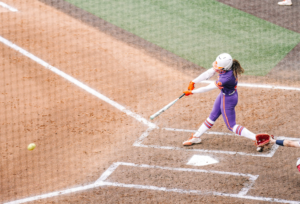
x,y
8,7
77,83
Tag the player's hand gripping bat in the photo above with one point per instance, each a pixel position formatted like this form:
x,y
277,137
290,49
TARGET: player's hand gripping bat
x,y
165,108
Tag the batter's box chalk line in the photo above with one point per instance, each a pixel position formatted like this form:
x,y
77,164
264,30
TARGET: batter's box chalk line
x,y
139,143
101,182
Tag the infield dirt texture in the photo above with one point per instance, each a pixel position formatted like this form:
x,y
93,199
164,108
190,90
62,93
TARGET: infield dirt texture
x,y
80,136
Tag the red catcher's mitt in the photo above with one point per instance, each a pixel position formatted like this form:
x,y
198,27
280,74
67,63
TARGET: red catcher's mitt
x,y
262,139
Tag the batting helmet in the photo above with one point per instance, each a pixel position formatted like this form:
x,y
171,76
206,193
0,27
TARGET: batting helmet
x,y
223,62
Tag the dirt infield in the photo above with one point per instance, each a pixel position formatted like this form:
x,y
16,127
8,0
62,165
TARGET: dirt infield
x,y
79,136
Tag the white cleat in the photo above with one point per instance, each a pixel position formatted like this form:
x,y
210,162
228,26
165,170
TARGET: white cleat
x,y
191,141
285,3
260,149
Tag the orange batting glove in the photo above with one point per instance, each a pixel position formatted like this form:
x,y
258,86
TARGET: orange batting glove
x,y
187,93
191,86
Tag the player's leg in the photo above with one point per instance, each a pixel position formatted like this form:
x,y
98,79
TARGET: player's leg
x,y
242,131
229,116
228,112
208,123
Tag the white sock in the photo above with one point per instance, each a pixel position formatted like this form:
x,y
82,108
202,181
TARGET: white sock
x,y
240,130
208,123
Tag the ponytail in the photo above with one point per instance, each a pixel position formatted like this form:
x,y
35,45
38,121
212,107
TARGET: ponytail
x,y
236,68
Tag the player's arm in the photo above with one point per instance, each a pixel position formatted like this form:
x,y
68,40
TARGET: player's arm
x,y
289,143
207,88
286,143
202,77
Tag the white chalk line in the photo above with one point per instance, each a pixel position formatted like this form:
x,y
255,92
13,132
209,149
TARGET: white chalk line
x,y
108,172
143,136
207,151
57,193
116,164
241,194
263,86
8,7
243,191
139,143
101,182
197,192
208,132
77,83
287,138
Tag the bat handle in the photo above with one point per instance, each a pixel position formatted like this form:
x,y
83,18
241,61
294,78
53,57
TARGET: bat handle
x,y
181,96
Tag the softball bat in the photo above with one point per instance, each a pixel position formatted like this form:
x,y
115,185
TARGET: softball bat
x,y
165,108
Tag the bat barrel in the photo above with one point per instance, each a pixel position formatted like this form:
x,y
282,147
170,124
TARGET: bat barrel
x,y
165,108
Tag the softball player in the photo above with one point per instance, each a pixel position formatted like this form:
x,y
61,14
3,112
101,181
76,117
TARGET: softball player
x,y
228,70
288,143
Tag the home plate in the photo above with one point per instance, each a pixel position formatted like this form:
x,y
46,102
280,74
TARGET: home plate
x,y
199,160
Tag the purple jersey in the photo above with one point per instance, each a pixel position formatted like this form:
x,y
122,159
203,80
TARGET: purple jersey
x,y
227,82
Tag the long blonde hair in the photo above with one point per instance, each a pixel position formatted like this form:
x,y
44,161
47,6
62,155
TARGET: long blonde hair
x,y
236,68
